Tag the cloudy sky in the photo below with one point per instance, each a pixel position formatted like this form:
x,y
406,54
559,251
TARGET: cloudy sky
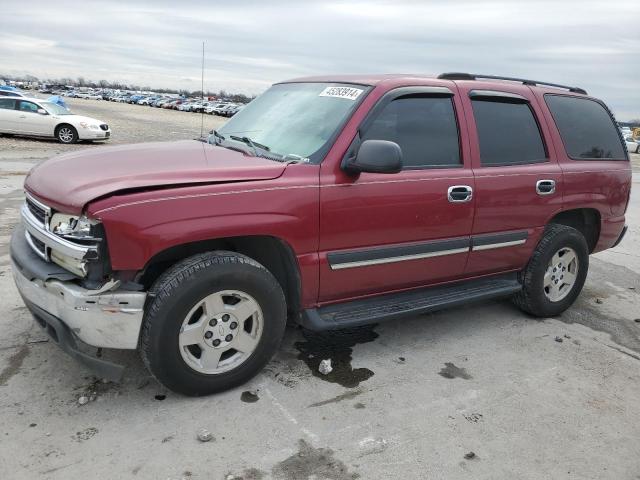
x,y
251,44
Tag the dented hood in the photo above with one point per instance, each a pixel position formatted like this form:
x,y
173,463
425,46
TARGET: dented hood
x,y
68,182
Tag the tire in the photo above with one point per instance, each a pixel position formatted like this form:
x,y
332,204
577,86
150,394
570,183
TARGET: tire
x,y
178,305
66,134
551,300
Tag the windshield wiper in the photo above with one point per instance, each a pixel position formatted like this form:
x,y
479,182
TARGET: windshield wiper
x,y
216,135
254,145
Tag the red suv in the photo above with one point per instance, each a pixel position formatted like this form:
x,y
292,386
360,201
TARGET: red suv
x,y
331,201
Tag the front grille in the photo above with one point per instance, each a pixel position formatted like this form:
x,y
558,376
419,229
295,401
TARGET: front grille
x,y
104,127
36,211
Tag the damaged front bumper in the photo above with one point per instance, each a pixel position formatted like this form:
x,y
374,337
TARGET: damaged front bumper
x,y
68,312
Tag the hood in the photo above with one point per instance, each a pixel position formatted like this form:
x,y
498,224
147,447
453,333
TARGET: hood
x,y
68,182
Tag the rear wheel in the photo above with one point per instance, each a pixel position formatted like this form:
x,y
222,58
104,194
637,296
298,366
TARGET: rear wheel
x,y
555,273
215,320
66,134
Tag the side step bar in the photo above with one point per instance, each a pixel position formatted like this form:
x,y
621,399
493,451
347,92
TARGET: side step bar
x,y
397,305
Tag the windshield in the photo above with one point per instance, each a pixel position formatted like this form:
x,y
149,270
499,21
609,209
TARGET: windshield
x,y
55,109
296,119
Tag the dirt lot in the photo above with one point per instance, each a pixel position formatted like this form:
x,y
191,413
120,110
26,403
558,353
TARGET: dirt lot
x,y
549,399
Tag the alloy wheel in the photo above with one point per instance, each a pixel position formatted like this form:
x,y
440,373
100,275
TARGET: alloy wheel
x,y
65,134
221,332
561,274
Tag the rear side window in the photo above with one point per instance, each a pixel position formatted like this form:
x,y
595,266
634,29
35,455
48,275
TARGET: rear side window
x,y
424,127
7,103
586,128
508,133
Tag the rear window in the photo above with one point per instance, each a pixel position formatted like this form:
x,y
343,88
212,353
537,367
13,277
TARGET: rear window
x,y
586,128
508,133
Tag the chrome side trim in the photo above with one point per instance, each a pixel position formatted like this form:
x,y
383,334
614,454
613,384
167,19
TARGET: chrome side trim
x,y
70,249
491,246
402,258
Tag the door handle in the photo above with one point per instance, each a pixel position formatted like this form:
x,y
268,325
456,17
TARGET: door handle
x,y
545,187
23,116
459,193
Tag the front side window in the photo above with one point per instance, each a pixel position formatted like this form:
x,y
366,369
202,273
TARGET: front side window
x,y
507,132
7,103
424,127
28,107
586,128
295,119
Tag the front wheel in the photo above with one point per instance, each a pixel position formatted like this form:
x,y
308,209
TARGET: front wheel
x,y
556,272
66,134
214,322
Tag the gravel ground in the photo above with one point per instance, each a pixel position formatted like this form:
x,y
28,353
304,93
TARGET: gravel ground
x,y
129,124
481,392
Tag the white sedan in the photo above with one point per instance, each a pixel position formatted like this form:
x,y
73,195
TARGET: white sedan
x,y
633,146
33,117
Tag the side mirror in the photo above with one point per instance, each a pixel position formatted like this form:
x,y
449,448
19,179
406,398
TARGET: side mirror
x,y
376,156
42,111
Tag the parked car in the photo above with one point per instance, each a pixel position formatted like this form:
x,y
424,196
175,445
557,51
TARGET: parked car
x,y
231,110
219,108
334,202
34,117
134,98
633,145
94,96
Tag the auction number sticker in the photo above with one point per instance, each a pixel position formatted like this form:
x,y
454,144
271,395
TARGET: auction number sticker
x,y
341,92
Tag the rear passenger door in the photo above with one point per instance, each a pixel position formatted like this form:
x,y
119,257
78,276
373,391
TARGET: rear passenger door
x,y
8,115
517,178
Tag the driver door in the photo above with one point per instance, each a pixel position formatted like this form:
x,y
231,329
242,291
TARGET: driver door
x,y
386,232
32,122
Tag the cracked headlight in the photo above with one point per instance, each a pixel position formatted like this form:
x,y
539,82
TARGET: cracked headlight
x,y
74,227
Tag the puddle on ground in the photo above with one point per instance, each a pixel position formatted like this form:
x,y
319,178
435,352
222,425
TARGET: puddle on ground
x,y
249,397
338,346
14,364
604,317
451,371
311,462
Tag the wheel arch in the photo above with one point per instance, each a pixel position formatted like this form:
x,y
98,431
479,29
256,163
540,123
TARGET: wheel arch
x,y
275,254
586,220
63,124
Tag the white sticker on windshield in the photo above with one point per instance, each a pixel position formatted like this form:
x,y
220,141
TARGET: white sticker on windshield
x,y
341,92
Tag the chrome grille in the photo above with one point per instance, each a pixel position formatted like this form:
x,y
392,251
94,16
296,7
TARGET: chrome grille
x,y
37,211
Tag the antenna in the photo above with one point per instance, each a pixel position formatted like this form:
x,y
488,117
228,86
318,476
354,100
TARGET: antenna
x,y
202,95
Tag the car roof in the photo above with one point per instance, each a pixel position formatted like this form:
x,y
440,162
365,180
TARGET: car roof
x,y
376,79
31,99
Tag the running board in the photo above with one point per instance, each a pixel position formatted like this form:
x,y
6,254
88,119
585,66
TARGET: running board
x,y
414,302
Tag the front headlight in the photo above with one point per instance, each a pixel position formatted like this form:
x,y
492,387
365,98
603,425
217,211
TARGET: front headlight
x,y
74,227
77,229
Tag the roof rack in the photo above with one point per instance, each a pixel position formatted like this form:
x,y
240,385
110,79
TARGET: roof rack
x,y
475,76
